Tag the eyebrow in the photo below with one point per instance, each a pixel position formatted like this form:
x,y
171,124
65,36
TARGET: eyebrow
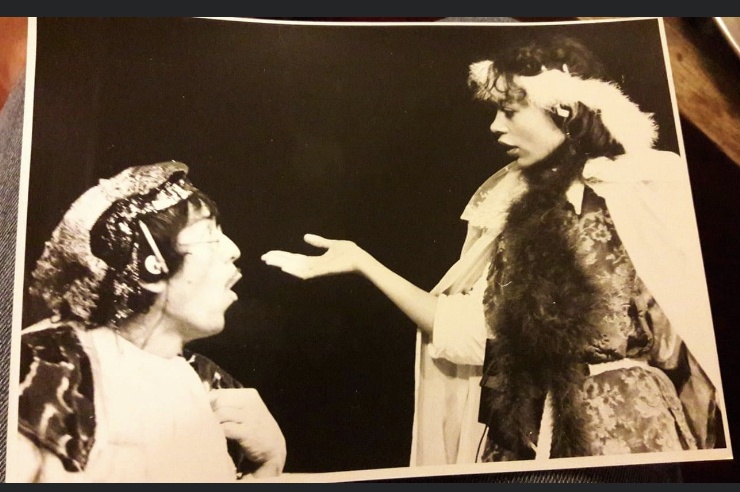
x,y
193,221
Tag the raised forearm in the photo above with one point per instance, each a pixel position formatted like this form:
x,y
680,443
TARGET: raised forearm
x,y
341,257
416,303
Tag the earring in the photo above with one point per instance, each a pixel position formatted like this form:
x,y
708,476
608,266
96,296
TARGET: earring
x,y
157,260
562,111
153,265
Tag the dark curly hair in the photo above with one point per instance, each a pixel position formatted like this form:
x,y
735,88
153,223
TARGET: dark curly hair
x,y
531,56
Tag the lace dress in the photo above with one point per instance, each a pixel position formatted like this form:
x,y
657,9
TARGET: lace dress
x,y
643,391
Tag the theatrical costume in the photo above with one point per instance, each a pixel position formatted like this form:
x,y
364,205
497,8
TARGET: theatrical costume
x,y
636,246
110,411
93,406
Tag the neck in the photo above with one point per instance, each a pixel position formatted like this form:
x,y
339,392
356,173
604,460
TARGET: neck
x,y
154,334
555,173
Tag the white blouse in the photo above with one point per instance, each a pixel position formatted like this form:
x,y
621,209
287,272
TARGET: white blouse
x,y
154,421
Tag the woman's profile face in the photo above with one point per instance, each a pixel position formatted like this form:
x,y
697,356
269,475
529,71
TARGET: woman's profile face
x,y
526,131
199,293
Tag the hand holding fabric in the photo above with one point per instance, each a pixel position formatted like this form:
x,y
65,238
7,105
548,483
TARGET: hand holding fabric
x,y
244,417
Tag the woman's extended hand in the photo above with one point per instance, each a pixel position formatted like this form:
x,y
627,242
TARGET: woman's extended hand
x,y
346,257
340,257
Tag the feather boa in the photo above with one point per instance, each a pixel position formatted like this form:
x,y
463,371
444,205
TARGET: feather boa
x,y
542,319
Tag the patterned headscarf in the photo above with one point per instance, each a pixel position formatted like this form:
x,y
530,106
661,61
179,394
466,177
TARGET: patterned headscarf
x,y
96,246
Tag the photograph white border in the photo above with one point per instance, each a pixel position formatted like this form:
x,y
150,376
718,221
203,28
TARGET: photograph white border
x,y
370,474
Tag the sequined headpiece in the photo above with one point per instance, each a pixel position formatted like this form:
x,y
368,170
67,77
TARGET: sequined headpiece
x,y
97,244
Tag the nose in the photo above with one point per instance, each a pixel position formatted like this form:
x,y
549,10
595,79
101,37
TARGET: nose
x,y
499,124
230,249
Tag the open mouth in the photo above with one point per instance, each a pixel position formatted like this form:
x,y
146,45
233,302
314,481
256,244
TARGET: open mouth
x,y
234,279
510,149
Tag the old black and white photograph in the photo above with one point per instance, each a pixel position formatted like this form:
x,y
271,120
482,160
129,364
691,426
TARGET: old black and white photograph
x,y
283,250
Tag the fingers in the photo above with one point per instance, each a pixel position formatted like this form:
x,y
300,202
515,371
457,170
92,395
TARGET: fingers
x,y
312,239
235,397
291,263
244,417
242,412
340,257
318,241
279,258
231,420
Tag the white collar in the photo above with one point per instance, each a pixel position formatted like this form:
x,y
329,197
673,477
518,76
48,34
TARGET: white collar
x,y
575,195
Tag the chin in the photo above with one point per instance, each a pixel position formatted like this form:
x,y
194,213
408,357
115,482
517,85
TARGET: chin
x,y
525,162
206,330
216,329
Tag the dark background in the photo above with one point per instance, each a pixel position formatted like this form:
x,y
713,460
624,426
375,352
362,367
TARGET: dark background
x,y
365,133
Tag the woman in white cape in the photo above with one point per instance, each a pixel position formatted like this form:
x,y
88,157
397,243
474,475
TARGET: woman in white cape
x,y
553,101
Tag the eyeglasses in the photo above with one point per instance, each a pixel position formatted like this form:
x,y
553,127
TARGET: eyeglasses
x,y
213,239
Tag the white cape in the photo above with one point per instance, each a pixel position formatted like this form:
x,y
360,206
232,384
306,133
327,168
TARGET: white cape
x,y
648,195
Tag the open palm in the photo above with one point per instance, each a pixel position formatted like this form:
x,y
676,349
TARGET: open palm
x,y
340,257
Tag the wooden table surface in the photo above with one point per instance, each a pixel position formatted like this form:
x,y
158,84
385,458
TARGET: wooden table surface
x,y
13,33
706,75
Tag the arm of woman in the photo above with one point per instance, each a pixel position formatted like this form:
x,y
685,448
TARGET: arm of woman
x,y
347,257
